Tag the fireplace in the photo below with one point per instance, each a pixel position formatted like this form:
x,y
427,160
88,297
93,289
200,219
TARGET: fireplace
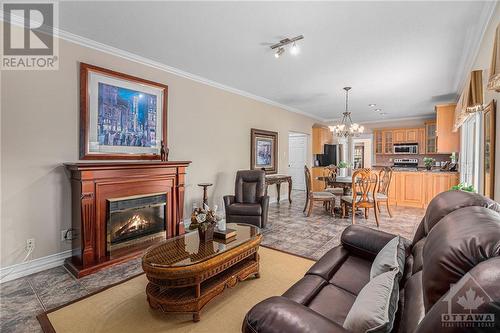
x,y
135,220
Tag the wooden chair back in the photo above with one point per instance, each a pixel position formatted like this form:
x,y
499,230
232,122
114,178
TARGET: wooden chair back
x,y
364,183
385,177
308,179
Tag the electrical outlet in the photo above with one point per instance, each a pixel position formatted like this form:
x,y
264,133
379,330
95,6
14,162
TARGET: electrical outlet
x,y
66,235
30,244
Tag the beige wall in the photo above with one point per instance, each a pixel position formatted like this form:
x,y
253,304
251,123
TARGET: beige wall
x,y
39,131
483,61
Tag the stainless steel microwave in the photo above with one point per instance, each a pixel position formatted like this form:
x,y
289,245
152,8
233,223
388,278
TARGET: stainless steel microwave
x,y
406,148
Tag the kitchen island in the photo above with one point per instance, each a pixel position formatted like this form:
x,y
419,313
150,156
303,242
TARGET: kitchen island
x,y
418,188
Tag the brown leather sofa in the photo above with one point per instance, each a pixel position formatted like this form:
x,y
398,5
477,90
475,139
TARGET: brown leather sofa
x,y
248,204
459,234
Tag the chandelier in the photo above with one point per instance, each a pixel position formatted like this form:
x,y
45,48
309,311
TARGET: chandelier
x,y
346,128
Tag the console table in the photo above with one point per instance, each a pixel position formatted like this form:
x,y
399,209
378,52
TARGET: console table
x,y
278,179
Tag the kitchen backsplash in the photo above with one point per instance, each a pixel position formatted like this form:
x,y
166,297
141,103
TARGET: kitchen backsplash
x,y
387,160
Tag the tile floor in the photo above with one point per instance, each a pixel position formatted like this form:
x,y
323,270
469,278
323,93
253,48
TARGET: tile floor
x,y
288,229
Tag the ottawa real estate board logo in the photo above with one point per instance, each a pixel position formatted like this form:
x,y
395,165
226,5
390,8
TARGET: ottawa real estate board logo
x,y
467,302
29,41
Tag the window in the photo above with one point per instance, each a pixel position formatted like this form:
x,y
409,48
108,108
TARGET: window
x,y
470,151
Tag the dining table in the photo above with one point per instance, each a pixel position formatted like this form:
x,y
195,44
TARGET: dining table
x,y
343,182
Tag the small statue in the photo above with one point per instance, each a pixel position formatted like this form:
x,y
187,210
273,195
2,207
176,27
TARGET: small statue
x,y
164,152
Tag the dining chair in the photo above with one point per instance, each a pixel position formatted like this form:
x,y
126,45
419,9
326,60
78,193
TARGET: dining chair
x,y
385,178
330,174
328,199
364,182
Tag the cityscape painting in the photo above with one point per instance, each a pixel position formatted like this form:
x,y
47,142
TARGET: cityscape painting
x,y
122,116
126,117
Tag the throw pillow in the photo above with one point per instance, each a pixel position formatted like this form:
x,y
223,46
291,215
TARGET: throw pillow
x,y
375,307
391,256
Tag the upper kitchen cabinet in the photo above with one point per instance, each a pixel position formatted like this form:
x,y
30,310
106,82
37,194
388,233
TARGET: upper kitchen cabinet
x,y
431,138
447,140
378,142
399,136
320,137
388,142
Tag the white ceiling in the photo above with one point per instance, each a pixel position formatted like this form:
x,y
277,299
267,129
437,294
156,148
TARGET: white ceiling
x,y
403,56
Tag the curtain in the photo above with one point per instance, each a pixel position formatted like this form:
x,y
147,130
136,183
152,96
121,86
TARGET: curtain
x,y
494,79
471,99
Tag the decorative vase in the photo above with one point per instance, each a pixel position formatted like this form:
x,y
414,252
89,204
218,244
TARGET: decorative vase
x,y
206,235
428,167
342,172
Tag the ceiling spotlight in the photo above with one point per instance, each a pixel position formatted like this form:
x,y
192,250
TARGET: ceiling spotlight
x,y
371,105
383,114
279,52
280,47
378,110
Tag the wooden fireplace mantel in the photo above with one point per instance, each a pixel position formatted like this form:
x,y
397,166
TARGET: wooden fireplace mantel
x,y
93,183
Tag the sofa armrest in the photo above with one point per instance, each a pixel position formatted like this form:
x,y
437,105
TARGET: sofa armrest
x,y
279,314
264,203
228,200
366,242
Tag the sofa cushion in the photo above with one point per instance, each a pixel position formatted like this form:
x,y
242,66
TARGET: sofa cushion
x,y
305,289
413,304
333,303
329,263
375,307
392,256
354,266
245,209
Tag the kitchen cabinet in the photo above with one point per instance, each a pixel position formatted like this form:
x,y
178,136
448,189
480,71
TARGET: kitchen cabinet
x,y
409,189
430,137
412,135
388,142
418,188
317,185
378,142
399,136
447,140
384,139
320,137
421,140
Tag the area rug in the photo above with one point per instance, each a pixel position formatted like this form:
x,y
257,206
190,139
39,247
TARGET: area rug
x,y
123,308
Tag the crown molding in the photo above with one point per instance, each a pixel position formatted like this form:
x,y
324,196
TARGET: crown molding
x,y
86,42
472,45
386,120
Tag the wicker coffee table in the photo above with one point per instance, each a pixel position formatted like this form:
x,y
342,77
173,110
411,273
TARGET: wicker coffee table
x,y
185,274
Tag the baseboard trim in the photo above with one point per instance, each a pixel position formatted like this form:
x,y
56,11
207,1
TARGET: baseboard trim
x,y
34,266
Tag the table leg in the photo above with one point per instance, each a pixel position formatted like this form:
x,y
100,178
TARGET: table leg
x,y
278,188
196,317
290,190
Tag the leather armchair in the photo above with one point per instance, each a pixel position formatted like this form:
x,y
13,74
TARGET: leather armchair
x,y
249,204
457,239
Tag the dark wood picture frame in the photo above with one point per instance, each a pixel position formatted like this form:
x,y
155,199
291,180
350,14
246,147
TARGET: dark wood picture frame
x,y
85,70
489,138
269,135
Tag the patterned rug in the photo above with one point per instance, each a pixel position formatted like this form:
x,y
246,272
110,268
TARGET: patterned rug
x,y
289,229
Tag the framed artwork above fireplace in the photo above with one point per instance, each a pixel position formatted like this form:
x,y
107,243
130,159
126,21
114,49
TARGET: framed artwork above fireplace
x,y
121,116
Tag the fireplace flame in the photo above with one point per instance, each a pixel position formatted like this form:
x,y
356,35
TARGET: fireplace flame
x,y
136,222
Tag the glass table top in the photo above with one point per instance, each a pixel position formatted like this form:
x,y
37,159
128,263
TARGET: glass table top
x,y
187,249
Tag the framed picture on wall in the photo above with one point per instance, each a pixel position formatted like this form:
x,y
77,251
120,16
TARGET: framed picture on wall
x,y
264,150
121,116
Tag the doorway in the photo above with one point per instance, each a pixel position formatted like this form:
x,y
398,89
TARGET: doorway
x,y
361,153
297,159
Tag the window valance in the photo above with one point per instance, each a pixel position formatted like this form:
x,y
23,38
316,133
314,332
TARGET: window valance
x,y
471,99
494,79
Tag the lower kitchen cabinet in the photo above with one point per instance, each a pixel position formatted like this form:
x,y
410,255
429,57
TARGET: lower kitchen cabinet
x,y
417,189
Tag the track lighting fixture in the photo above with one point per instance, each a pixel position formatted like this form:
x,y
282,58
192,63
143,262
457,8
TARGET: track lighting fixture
x,y
280,47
